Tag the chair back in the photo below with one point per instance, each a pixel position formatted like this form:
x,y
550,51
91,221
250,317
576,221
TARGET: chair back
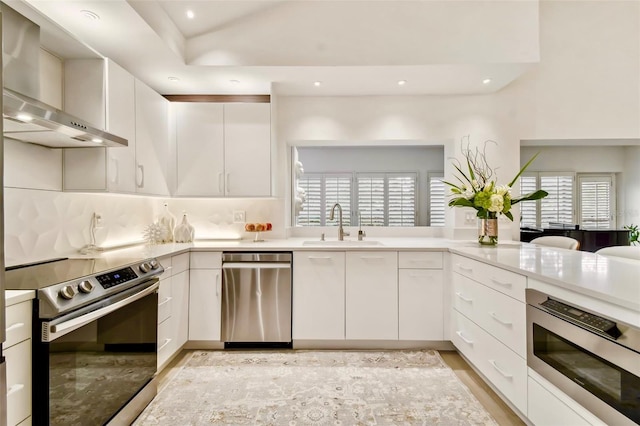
x,y
629,252
557,241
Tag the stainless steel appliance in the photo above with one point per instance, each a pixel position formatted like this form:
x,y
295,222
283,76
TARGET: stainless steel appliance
x,y
94,338
256,299
593,359
3,336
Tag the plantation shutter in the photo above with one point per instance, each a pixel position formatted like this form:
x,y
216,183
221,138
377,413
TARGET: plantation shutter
x,y
338,190
558,205
528,209
436,200
311,213
595,202
401,200
371,199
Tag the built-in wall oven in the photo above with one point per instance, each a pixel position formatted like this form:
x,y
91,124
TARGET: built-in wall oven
x,y
94,339
593,359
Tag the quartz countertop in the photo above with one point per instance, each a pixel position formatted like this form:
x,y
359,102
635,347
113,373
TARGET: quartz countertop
x,y
13,297
613,280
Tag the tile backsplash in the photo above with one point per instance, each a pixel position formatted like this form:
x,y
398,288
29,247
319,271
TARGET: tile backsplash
x,y
42,224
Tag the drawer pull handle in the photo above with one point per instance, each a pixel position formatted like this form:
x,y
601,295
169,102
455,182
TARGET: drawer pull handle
x,y
464,299
166,342
218,285
371,257
168,299
501,321
15,388
319,257
499,370
500,282
168,268
15,326
464,339
470,270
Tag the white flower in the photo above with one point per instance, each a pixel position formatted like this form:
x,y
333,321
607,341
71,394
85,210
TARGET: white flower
x,y
503,190
468,193
497,203
475,184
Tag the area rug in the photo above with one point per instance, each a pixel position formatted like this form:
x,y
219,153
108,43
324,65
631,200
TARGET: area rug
x,y
315,388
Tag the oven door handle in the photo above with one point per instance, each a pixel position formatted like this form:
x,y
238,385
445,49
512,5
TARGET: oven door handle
x,y
255,265
57,330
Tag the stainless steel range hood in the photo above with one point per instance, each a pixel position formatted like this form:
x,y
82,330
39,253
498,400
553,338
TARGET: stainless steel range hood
x,y
25,118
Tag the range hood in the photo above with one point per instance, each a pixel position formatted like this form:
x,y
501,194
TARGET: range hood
x,y
25,118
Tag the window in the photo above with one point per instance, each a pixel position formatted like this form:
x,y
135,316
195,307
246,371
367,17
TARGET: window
x,y
322,192
387,199
437,202
557,207
596,201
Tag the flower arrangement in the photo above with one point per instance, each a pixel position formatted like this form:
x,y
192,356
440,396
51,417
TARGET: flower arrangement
x,y
478,189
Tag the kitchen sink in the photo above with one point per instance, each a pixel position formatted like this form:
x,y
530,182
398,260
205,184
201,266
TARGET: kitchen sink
x,y
350,243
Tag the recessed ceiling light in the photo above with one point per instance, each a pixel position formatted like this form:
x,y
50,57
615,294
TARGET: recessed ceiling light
x,y
90,15
402,82
173,79
24,117
190,14
317,83
486,81
96,140
234,81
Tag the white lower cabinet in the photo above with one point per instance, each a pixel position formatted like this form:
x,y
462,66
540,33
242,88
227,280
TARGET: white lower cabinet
x,y
545,409
319,295
205,296
372,295
17,352
180,304
420,304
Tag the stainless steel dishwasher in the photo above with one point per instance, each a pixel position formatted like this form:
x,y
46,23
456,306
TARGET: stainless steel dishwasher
x,y
256,299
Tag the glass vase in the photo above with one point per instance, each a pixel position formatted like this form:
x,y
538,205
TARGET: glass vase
x,y
488,231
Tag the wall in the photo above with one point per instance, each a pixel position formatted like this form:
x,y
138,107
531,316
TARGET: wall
x,y
631,208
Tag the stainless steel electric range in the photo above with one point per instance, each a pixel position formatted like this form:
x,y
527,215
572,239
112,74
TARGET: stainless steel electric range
x,y
94,338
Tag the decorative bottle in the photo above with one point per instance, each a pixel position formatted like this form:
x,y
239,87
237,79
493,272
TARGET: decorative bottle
x,y
167,223
184,231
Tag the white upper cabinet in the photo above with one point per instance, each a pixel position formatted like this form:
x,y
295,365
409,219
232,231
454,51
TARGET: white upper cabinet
x,y
199,148
152,140
223,149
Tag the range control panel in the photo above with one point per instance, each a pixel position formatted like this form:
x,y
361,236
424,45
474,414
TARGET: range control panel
x,y
116,277
594,322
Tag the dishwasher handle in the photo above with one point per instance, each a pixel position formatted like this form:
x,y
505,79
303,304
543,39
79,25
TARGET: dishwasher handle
x,y
256,265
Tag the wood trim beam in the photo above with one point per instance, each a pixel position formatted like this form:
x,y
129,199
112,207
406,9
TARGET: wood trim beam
x,y
219,98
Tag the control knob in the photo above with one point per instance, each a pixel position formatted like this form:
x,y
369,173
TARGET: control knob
x,y
85,286
145,267
67,292
154,264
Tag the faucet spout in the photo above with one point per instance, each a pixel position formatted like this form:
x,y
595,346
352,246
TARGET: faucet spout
x,y
341,232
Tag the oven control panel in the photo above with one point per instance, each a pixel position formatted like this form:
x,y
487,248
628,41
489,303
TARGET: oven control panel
x,y
116,277
594,322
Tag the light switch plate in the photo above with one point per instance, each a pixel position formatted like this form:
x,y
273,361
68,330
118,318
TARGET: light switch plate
x,y
238,216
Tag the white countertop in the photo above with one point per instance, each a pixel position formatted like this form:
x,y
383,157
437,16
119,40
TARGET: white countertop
x,y
13,297
605,278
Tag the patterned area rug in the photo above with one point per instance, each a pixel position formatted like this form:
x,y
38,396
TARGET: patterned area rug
x,y
315,388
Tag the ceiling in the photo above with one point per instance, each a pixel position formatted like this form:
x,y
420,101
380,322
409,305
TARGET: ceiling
x,y
353,47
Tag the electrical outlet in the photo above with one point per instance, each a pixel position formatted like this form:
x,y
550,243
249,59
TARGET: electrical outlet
x,y
238,216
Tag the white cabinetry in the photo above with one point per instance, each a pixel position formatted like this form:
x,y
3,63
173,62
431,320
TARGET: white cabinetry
x,y
319,295
372,295
173,307
420,296
488,325
223,149
17,351
205,296
102,93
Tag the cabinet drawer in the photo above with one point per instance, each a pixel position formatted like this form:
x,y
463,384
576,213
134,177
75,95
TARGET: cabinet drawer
x,y
420,260
545,409
165,343
465,336
180,263
25,422
504,281
18,321
463,295
164,300
166,264
205,260
18,382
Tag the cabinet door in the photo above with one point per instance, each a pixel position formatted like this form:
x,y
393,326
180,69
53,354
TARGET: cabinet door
x,y
318,295
152,140
247,149
199,148
18,358
204,304
180,311
372,295
420,293
121,121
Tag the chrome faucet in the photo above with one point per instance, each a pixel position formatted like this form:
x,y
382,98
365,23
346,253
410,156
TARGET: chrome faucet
x,y
341,232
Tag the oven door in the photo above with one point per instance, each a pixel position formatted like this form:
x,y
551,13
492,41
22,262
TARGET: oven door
x,y
598,373
90,363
